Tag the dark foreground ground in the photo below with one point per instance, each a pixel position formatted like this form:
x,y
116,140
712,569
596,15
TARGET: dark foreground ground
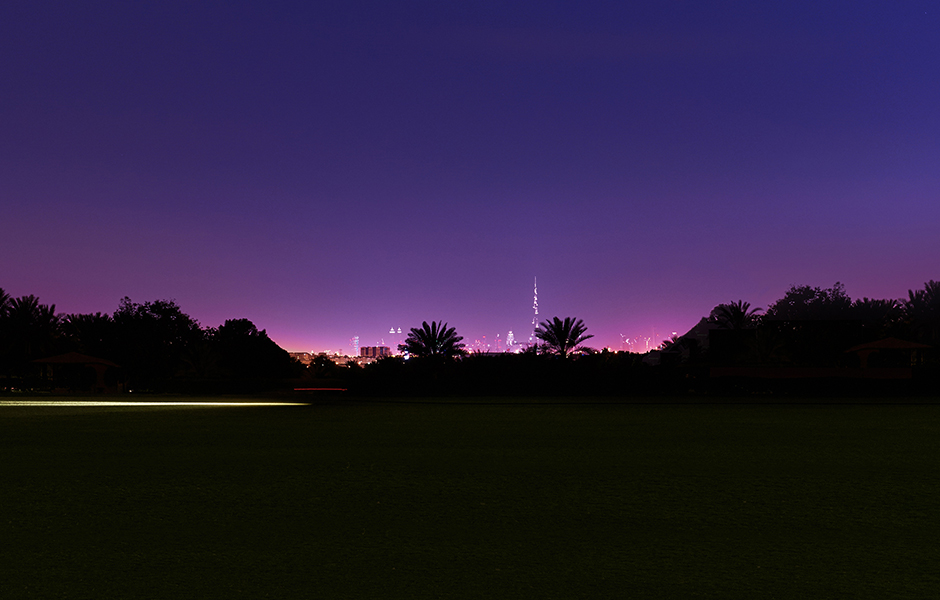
x,y
402,500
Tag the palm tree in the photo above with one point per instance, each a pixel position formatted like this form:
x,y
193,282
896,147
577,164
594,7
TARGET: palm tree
x,y
5,346
32,328
877,317
4,302
563,337
671,343
870,309
736,315
922,311
89,333
436,339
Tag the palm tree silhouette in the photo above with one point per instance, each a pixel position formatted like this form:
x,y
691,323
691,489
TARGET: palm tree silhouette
x,y
922,311
32,327
4,302
563,337
90,333
736,315
436,339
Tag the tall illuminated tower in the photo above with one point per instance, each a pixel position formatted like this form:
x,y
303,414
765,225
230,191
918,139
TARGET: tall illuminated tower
x,y
535,317
355,344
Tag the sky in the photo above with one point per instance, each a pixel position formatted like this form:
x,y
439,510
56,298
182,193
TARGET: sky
x,y
336,169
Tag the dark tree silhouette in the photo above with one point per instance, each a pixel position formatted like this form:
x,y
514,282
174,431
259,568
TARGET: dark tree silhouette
x,y
31,329
671,342
152,339
5,347
154,342
322,366
736,315
805,303
90,333
870,309
814,326
878,319
248,353
922,312
563,337
436,339
4,302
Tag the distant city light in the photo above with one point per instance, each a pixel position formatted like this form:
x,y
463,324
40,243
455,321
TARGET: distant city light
x,y
477,343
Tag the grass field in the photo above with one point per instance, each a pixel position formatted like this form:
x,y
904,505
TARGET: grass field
x,y
455,500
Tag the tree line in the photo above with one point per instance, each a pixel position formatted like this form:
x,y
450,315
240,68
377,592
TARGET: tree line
x,y
811,326
155,344
161,348
810,333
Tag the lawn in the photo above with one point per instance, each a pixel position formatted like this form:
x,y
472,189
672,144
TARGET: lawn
x,y
458,500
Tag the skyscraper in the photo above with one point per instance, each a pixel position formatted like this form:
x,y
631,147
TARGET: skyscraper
x,y
355,345
535,307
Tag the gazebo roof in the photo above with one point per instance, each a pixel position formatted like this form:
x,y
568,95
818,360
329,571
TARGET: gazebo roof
x,y
75,358
888,343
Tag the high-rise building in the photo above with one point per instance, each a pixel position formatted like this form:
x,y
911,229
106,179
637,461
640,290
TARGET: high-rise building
x,y
355,344
374,351
535,317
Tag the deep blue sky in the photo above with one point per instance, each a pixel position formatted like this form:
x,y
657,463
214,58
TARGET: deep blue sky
x,y
330,169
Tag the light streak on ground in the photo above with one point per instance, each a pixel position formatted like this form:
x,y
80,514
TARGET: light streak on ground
x,y
139,404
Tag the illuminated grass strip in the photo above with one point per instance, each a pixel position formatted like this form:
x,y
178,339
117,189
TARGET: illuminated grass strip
x,y
139,404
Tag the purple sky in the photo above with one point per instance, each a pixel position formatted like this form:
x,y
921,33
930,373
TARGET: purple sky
x,y
331,169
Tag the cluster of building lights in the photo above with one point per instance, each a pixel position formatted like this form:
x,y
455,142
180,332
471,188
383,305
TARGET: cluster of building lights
x,y
640,344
